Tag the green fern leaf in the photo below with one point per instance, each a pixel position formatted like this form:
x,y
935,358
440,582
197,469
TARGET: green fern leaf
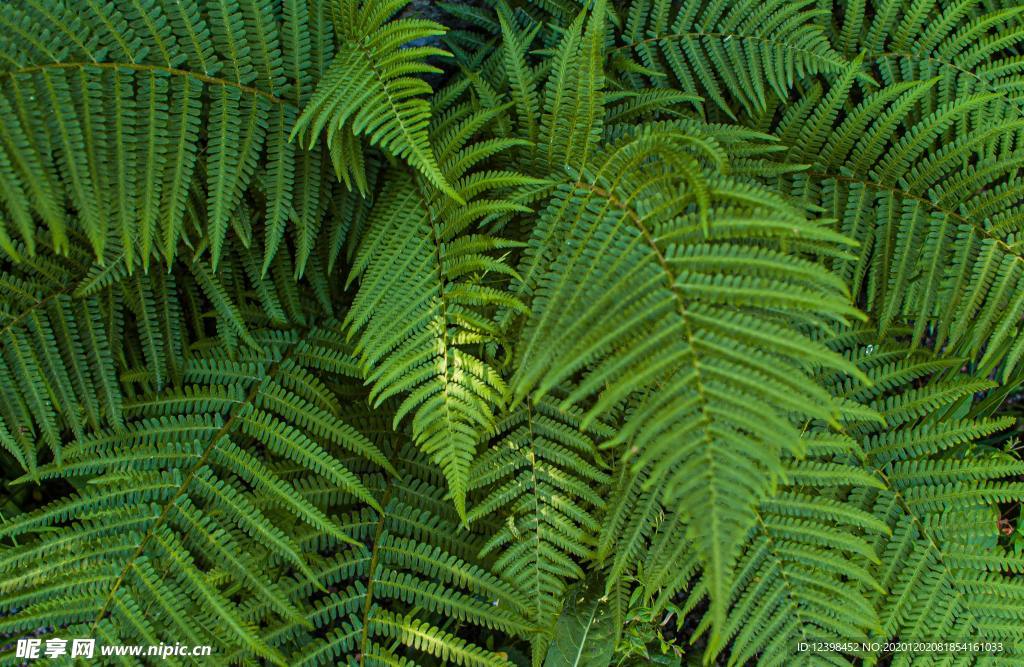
x,y
368,89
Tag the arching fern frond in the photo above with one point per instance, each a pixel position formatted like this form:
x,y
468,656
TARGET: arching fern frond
x,y
58,366
572,122
408,553
805,568
885,533
370,89
808,568
129,123
968,45
427,294
391,332
942,568
181,506
638,298
935,219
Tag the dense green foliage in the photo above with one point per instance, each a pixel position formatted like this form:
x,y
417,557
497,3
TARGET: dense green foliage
x,y
532,332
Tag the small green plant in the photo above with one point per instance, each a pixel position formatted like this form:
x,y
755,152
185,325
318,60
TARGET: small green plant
x,y
650,637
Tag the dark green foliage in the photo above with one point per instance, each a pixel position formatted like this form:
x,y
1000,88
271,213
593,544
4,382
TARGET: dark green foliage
x,y
512,332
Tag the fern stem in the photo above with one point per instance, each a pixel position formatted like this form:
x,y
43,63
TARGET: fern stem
x,y
946,63
372,572
728,35
894,490
174,71
187,480
1009,249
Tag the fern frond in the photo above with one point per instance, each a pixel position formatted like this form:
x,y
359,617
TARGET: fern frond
x,y
406,554
205,100
207,503
541,495
389,332
734,54
420,263
571,124
369,89
938,501
920,172
640,299
808,568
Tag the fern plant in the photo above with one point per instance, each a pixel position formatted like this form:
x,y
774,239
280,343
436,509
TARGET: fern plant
x,y
512,332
